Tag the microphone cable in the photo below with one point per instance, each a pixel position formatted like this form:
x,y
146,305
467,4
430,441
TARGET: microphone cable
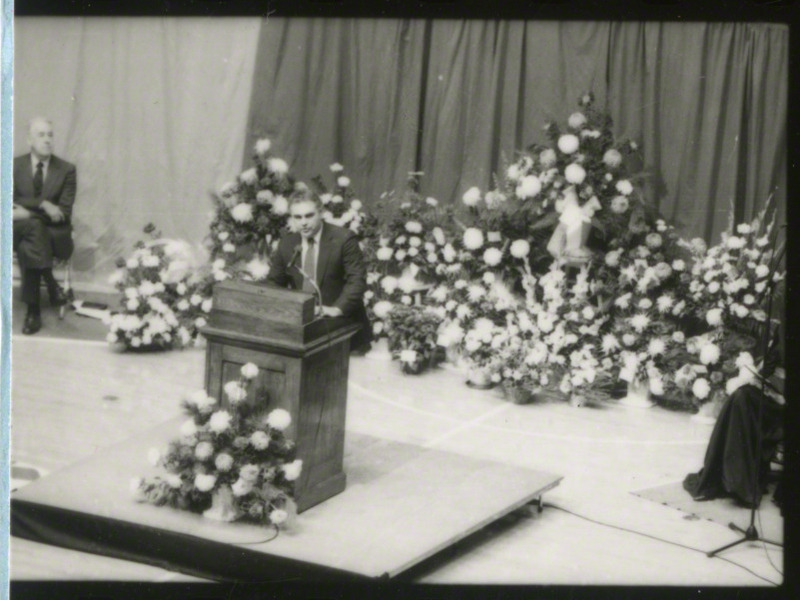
x,y
659,539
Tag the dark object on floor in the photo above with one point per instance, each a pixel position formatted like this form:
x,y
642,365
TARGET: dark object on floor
x,y
57,295
730,467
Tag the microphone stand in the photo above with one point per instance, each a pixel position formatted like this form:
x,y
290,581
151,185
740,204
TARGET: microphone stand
x,y
317,291
751,534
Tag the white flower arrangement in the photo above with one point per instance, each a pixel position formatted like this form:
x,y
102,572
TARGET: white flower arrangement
x,y
156,282
235,452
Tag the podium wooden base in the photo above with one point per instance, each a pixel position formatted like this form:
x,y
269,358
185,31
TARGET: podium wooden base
x,y
403,505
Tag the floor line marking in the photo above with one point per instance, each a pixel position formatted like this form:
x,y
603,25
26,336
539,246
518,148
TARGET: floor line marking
x,y
476,422
551,436
27,338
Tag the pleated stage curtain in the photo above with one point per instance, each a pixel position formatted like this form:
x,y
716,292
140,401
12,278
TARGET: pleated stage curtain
x,y
157,111
152,111
451,98
709,103
340,90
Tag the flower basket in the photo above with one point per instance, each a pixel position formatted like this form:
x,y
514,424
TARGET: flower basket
x,y
638,395
414,368
518,394
709,411
379,350
479,379
222,507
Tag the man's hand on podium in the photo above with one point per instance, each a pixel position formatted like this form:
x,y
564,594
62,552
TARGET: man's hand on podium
x,y
329,311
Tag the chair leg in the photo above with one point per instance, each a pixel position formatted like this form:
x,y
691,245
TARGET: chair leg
x,y
62,310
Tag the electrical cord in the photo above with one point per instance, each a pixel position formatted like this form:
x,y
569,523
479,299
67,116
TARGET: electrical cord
x,y
764,544
653,537
277,532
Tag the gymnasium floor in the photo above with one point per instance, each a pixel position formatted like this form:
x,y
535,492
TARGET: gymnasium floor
x,y
72,397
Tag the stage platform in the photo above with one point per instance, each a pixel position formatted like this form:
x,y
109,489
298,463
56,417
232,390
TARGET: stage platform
x,y
396,512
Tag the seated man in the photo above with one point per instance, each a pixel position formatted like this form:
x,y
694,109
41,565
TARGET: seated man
x,y
331,256
44,192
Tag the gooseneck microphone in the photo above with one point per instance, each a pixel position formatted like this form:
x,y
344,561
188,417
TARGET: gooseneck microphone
x,y
317,291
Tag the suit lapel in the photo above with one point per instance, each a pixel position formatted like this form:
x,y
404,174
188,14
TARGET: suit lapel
x,y
53,175
324,254
23,176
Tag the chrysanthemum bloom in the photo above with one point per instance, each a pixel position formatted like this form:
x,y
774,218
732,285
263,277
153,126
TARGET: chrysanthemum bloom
x,y
575,173
242,212
277,166
492,257
473,238
249,177
568,143
624,187
262,146
279,419
219,421
259,440
577,120
471,197
529,186
223,461
619,204
612,158
278,516
291,471
701,388
709,354
204,483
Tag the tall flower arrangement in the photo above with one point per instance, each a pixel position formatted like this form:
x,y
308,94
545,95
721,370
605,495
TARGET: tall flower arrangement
x,y
577,182
728,286
250,213
165,297
411,252
231,460
646,281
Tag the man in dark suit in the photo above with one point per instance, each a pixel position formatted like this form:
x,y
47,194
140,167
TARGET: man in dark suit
x,y
329,255
44,192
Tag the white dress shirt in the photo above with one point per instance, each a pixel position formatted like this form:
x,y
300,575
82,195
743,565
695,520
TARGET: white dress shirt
x,y
45,163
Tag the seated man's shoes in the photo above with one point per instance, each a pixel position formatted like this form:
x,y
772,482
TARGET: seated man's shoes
x,y
33,322
57,296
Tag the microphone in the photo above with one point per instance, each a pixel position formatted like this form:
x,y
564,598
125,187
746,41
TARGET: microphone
x,y
295,254
317,291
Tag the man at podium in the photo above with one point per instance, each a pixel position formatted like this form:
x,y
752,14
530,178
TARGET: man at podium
x,y
325,260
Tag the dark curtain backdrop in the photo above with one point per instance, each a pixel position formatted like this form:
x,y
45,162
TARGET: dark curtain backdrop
x,y
707,102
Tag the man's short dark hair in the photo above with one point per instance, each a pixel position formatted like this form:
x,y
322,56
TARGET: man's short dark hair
x,y
304,195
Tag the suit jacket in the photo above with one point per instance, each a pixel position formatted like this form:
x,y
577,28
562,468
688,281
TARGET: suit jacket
x,y
341,273
59,186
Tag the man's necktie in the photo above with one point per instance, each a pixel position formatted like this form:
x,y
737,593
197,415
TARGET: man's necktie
x,y
310,265
38,179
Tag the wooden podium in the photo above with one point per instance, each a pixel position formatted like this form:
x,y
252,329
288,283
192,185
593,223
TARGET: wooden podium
x,y
303,366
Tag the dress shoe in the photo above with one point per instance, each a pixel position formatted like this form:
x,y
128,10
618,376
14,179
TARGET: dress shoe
x,y
33,323
57,296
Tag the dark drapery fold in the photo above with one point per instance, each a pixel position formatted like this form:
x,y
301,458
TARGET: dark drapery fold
x,y
340,90
707,101
490,87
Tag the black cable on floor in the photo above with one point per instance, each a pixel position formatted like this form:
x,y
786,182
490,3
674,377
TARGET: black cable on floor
x,y
653,537
763,543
